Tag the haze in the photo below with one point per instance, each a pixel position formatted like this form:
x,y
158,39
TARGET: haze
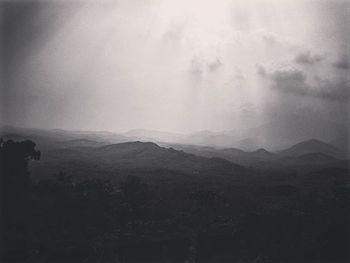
x,y
178,66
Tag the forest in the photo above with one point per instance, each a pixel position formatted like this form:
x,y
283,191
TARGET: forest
x,y
171,216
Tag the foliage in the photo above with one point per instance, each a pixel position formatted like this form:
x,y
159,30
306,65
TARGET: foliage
x,y
62,219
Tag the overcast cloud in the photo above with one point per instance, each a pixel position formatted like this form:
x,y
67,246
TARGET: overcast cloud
x,y
179,66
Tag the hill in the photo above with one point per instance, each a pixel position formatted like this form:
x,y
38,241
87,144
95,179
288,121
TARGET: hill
x,y
139,158
234,155
147,155
151,135
316,158
311,146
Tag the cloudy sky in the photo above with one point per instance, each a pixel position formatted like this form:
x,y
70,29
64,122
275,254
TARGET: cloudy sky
x,y
181,66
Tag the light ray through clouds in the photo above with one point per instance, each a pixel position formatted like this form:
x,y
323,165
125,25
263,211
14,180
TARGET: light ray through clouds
x,y
178,65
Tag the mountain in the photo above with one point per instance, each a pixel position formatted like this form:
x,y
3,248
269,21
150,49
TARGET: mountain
x,y
210,139
277,134
201,138
141,158
311,146
311,152
262,153
152,135
150,155
315,158
306,162
281,132
82,143
48,139
342,142
223,139
203,144
234,155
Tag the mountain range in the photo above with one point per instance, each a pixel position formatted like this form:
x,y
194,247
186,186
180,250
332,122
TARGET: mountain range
x,y
96,152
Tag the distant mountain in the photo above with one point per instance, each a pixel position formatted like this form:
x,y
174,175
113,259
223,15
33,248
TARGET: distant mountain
x,y
315,158
141,158
311,152
48,139
152,135
226,145
342,142
251,143
223,139
82,143
150,155
282,132
311,146
274,135
234,155
211,139
262,153
201,138
308,161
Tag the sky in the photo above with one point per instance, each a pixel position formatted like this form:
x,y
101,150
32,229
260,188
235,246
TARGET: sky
x,y
179,66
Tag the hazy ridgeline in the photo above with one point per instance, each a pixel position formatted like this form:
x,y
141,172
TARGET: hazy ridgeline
x,y
82,200
175,131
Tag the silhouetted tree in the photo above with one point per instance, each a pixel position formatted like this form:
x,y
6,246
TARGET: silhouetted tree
x,y
15,180
15,187
14,157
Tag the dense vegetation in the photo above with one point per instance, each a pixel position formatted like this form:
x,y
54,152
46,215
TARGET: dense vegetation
x,y
252,218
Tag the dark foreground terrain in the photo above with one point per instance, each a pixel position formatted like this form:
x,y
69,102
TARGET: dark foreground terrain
x,y
80,199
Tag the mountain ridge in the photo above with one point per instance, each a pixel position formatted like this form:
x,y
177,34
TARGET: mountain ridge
x,y
311,146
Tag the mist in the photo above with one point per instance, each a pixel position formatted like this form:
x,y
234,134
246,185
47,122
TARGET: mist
x,y
175,131
177,66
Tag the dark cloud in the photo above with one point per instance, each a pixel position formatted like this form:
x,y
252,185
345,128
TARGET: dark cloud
x,y
25,27
335,90
294,81
306,58
261,70
342,63
28,24
214,65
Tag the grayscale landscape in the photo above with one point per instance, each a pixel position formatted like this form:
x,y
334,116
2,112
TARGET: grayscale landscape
x,y
175,131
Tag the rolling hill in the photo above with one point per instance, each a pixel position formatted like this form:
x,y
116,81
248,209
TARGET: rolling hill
x,y
311,146
139,158
234,155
